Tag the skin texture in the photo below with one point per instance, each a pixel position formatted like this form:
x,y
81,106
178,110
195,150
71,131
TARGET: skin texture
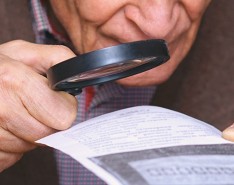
x,y
228,133
30,109
94,24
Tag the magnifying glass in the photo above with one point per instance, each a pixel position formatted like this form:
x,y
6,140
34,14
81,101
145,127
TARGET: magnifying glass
x,y
107,64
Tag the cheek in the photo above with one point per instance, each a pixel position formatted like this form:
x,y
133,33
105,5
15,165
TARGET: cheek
x,y
97,11
195,9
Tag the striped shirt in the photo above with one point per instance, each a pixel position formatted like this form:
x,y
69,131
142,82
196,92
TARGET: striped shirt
x,y
101,99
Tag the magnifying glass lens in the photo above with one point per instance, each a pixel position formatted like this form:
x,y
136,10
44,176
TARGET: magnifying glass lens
x,y
107,64
110,69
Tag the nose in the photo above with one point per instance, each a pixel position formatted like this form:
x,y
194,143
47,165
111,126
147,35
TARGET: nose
x,y
155,18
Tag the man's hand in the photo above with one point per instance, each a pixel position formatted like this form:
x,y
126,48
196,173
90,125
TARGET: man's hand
x,y
228,133
29,109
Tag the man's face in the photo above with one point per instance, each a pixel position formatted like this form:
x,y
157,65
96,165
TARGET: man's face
x,y
94,24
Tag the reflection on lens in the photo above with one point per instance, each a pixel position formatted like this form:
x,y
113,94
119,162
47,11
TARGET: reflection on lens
x,y
110,69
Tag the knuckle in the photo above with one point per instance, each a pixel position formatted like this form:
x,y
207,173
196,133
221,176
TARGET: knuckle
x,y
4,121
9,78
63,51
13,44
6,118
18,42
6,70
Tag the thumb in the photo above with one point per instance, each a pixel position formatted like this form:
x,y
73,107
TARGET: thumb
x,y
228,133
39,57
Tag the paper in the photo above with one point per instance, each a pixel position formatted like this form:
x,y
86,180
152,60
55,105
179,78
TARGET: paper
x,y
137,131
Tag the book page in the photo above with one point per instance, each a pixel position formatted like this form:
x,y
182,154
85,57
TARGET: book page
x,y
176,165
149,145
132,129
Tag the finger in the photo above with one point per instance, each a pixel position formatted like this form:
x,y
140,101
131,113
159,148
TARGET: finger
x,y
39,57
11,143
21,124
8,159
54,109
20,85
228,133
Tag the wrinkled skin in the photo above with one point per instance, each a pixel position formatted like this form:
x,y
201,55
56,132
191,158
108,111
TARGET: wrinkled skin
x,y
94,24
31,110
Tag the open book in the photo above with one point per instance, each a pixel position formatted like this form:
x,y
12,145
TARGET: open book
x,y
149,145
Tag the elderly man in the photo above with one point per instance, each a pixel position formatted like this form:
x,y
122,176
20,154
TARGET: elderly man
x,y
31,110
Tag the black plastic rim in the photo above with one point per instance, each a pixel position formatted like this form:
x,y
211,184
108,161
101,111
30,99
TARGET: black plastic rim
x,y
58,73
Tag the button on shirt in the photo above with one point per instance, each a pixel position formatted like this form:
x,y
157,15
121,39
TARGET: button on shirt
x,y
93,101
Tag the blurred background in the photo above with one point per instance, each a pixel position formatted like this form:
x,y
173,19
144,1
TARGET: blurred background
x,y
202,86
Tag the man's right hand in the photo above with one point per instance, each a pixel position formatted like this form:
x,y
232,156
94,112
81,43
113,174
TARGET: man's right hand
x,y
29,109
